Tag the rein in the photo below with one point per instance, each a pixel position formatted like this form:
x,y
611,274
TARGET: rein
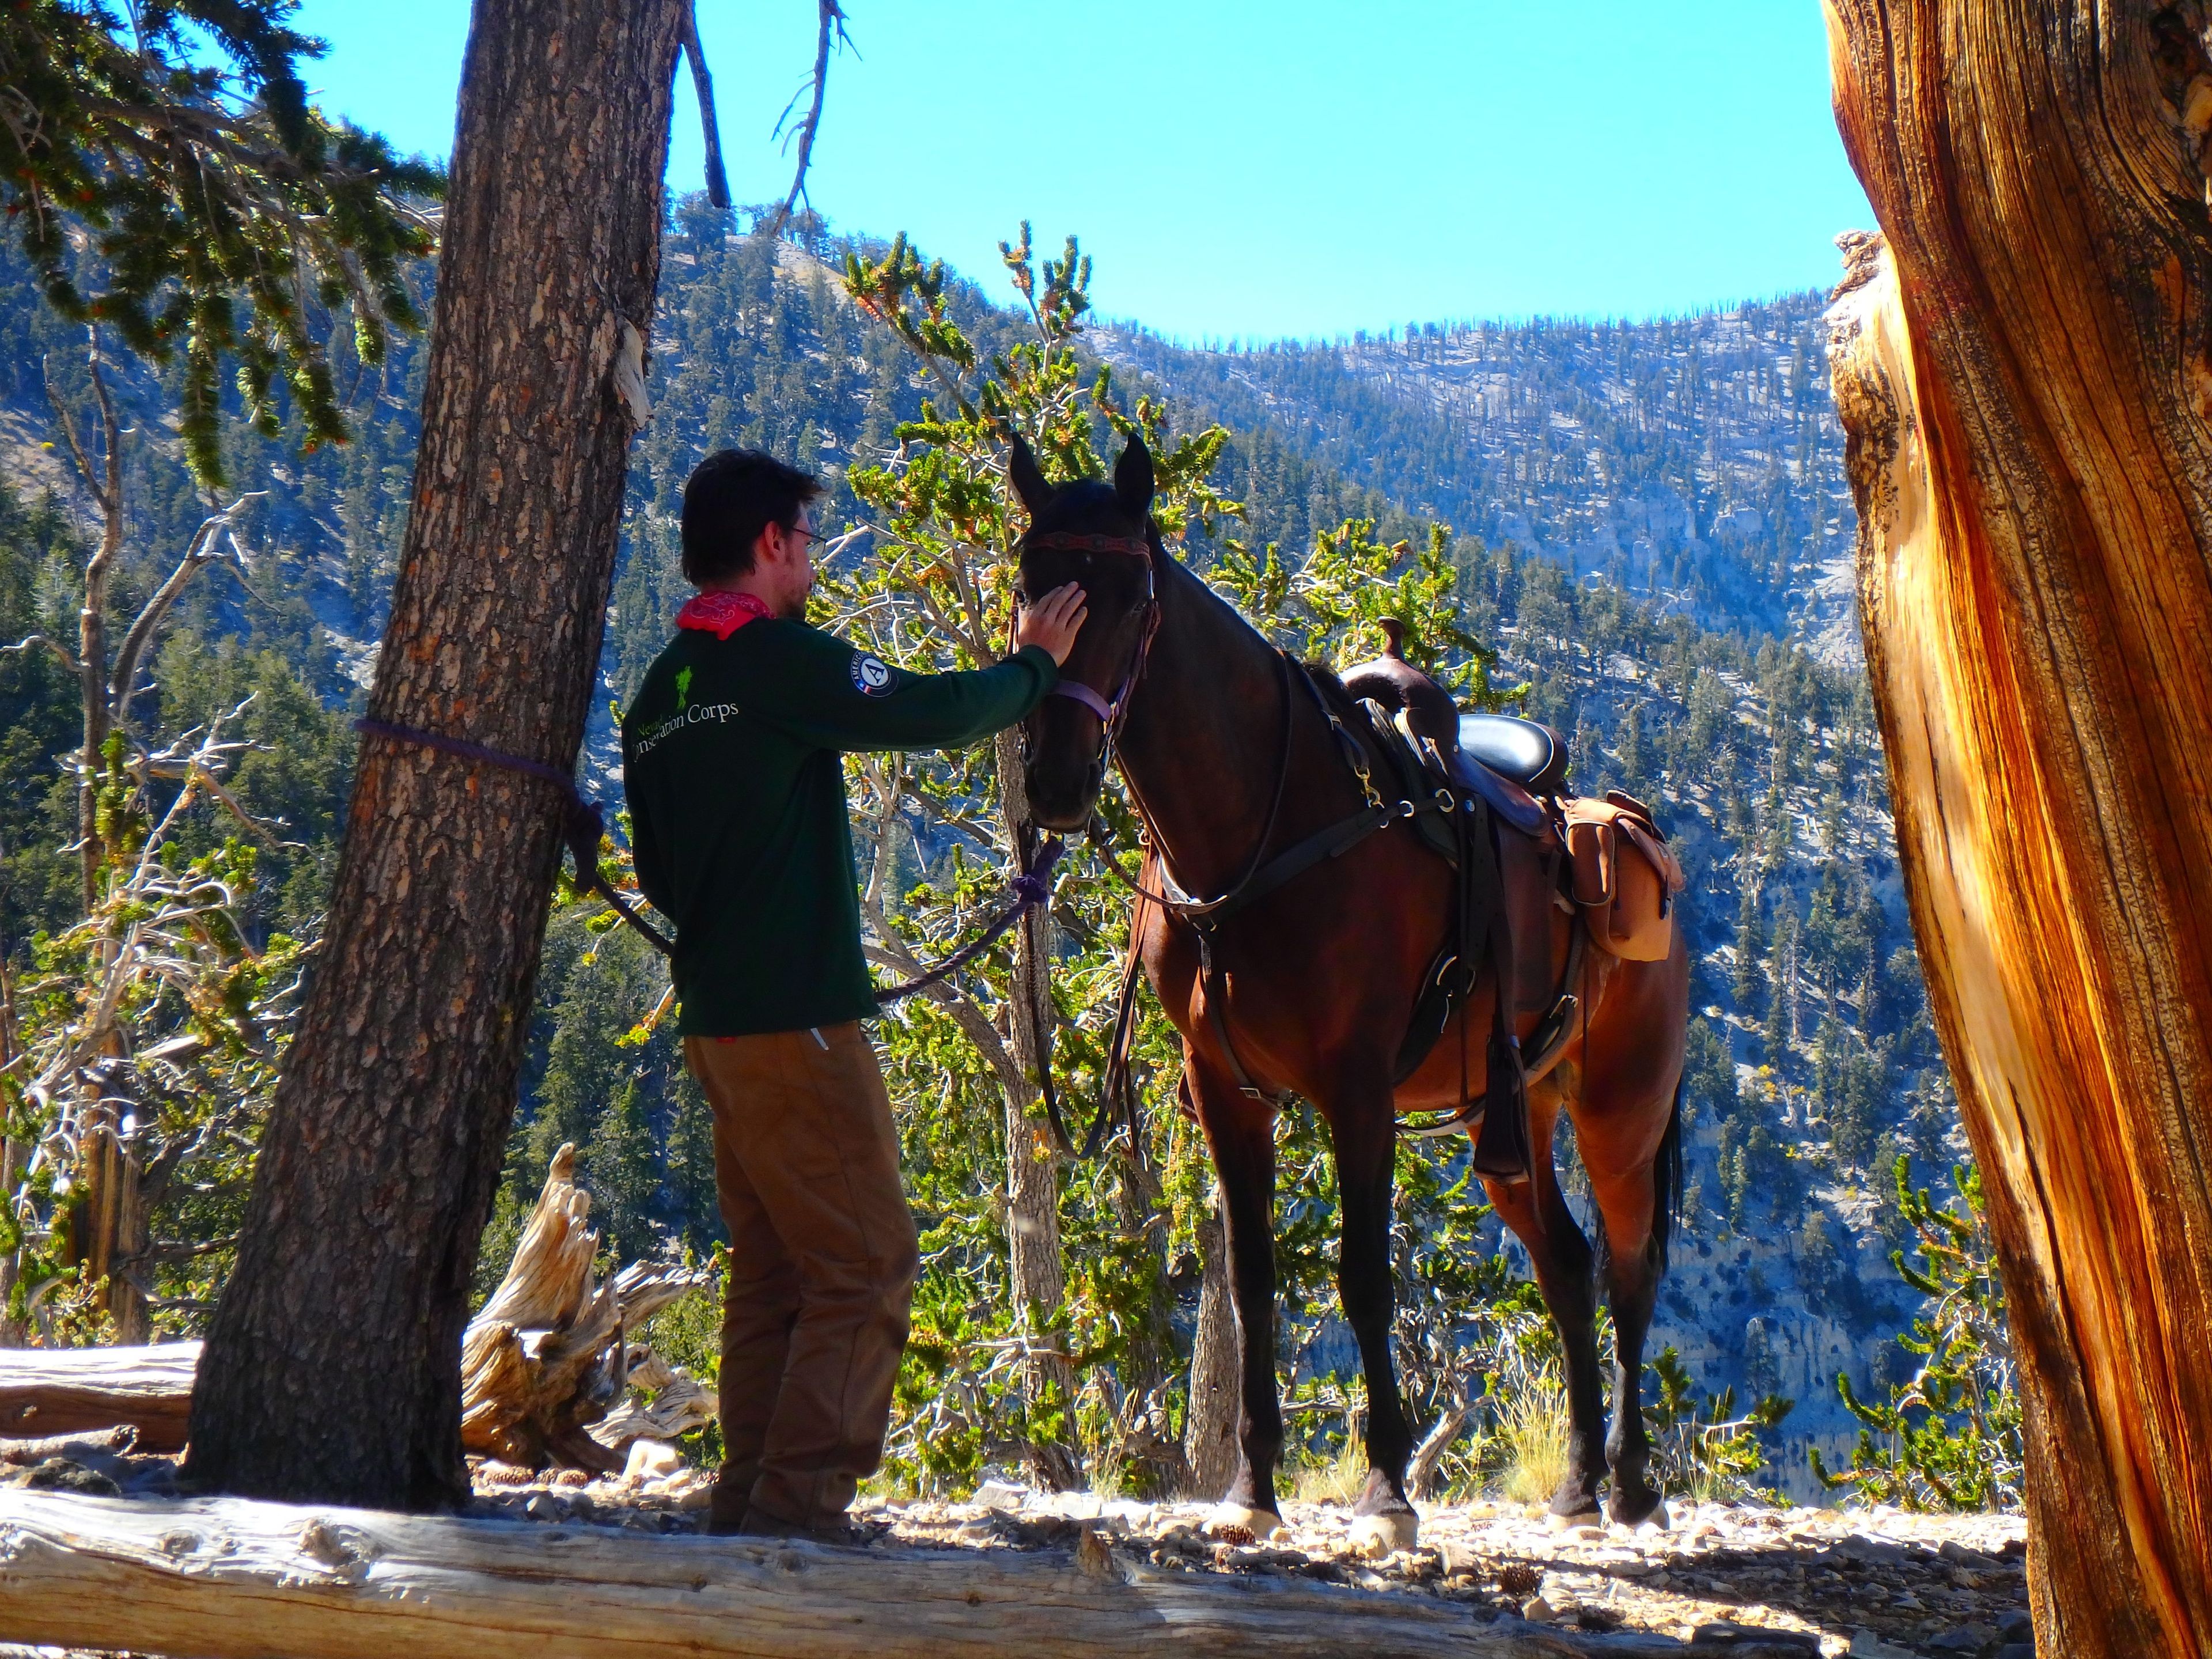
x,y
583,825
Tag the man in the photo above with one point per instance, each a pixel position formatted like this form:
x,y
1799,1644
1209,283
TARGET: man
x,y
737,819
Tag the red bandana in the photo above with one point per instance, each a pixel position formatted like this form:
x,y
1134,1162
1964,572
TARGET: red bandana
x,y
722,614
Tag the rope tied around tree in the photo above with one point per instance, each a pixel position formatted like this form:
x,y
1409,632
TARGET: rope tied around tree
x,y
583,827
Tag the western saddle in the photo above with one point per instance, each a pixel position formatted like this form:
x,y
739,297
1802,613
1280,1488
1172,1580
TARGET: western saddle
x,y
1517,769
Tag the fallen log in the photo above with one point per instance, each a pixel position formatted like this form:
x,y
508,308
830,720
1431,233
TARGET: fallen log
x,y
48,1392
541,1366
232,1578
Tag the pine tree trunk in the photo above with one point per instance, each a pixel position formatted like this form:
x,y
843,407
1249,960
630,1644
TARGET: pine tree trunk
x,y
1040,1277
332,1369
1210,1426
2025,375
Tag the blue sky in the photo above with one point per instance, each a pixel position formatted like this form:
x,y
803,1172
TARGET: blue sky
x,y
1256,168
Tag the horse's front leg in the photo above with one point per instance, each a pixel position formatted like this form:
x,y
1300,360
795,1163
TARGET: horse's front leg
x,y
1241,1133
1363,1122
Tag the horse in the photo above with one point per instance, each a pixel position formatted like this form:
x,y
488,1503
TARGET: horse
x,y
1307,990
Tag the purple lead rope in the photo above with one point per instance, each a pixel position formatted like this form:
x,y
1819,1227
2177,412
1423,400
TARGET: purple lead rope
x,y
584,827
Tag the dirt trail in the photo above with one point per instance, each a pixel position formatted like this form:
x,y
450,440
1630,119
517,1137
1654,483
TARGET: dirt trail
x,y
1874,1583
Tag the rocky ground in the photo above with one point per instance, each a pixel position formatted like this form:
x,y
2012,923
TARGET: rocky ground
x,y
1877,1583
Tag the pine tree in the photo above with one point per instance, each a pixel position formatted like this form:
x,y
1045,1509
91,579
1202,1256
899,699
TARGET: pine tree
x,y
1750,945
228,217
384,1148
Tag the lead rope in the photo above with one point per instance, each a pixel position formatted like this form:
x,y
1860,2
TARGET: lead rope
x,y
583,826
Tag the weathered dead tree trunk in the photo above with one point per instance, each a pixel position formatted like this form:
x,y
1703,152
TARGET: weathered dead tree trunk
x,y
333,1363
549,1355
1038,1273
545,1367
2025,373
230,1578
1210,1424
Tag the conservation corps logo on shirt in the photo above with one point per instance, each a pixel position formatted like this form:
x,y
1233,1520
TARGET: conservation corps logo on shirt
x,y
872,675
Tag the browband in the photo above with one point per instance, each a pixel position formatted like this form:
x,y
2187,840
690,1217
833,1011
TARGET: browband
x,y
1067,541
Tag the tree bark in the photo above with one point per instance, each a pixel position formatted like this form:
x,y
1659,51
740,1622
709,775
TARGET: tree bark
x,y
333,1363
2025,375
1154,1467
228,1578
113,1219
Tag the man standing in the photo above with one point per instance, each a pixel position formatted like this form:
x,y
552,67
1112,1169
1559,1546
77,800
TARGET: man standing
x,y
738,819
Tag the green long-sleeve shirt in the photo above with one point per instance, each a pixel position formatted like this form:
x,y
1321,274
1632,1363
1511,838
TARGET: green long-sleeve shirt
x,y
738,814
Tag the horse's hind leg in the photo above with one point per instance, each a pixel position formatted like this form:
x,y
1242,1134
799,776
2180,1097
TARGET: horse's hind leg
x,y
1536,1210
1241,1133
1363,1123
1632,1279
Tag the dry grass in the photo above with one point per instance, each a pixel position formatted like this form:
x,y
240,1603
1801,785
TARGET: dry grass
x,y
1337,1481
1534,1427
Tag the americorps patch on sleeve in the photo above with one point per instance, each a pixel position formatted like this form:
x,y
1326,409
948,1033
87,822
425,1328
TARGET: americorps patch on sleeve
x,y
870,674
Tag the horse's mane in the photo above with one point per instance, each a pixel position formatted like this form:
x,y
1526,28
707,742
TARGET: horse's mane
x,y
1340,701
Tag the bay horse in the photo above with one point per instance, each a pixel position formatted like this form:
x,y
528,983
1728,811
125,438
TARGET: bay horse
x,y
1229,762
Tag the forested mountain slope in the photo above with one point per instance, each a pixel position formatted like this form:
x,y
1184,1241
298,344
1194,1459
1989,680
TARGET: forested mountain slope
x,y
1694,460
1646,515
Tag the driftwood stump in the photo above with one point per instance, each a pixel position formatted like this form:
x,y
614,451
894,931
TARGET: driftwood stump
x,y
547,1357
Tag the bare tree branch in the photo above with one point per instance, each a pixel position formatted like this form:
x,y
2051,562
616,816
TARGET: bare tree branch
x,y
60,651
200,551
718,181
831,36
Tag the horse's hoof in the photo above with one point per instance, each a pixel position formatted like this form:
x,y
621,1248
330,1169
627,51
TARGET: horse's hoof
x,y
1229,1519
1636,1510
1573,1505
1381,1535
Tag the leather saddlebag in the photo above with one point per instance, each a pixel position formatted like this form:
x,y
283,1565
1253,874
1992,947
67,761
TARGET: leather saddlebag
x,y
1625,878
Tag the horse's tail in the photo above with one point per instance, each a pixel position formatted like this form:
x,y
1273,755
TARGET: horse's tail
x,y
1667,1180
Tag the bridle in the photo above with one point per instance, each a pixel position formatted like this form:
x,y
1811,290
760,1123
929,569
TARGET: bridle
x,y
1111,711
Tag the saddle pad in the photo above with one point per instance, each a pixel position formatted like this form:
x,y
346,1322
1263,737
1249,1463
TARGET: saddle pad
x,y
1626,903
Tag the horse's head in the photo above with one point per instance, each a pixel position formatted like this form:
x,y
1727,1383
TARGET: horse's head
x,y
1101,535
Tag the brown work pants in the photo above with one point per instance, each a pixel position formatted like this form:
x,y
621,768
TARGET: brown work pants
x,y
822,1269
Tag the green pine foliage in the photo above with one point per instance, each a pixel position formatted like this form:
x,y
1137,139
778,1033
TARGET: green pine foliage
x,y
1949,1436
229,220
1701,1449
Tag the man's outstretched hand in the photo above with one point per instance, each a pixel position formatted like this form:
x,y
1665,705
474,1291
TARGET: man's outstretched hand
x,y
1053,622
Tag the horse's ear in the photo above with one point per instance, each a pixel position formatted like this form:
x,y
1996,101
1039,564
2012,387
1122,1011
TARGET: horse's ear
x,y
1132,479
1029,482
